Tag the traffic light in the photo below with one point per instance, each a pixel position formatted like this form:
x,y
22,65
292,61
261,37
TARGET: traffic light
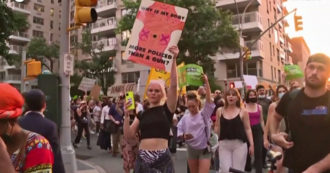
x,y
298,23
246,53
231,85
84,13
33,68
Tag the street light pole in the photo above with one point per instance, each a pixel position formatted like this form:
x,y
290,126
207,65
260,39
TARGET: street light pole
x,y
68,152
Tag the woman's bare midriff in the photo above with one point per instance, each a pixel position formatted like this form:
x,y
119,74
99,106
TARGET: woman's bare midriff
x,y
153,144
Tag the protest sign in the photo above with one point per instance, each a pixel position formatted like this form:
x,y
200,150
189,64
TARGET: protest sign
x,y
116,90
193,75
86,84
293,72
157,27
251,81
95,92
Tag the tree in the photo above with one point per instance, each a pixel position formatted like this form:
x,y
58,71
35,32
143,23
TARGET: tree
x,y
38,48
99,66
206,31
10,22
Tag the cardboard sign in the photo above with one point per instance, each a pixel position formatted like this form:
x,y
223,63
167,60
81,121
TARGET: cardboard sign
x,y
95,92
293,72
157,27
86,84
118,89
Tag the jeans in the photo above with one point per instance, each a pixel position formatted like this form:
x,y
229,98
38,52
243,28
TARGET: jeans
x,y
81,127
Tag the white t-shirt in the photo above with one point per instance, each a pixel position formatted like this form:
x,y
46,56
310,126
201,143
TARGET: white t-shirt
x,y
97,113
105,114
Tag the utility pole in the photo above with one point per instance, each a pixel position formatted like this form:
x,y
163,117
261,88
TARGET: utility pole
x,y
23,71
68,152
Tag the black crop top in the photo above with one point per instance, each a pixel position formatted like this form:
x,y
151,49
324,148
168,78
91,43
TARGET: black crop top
x,y
232,129
155,122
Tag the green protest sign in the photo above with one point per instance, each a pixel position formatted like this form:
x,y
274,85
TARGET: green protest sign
x,y
193,75
293,72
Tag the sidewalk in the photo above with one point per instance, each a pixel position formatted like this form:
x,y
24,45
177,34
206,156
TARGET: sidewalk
x,y
86,167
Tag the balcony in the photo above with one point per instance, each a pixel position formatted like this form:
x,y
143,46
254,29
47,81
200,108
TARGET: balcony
x,y
252,22
256,51
106,44
230,4
15,49
104,26
19,7
106,8
20,37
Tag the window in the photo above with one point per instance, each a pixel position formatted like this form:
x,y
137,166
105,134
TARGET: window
x,y
125,35
52,1
252,68
268,27
38,20
51,37
73,40
51,25
271,69
273,50
267,6
122,56
39,7
278,56
51,11
275,74
279,76
36,33
260,69
130,77
270,51
232,70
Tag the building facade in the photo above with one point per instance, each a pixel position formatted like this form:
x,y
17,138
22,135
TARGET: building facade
x,y
44,21
268,52
300,51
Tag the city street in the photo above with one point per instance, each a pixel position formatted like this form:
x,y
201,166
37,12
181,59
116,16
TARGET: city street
x,y
103,159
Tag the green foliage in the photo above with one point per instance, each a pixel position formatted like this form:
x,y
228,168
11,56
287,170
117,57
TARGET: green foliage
x,y
98,67
38,48
207,29
10,22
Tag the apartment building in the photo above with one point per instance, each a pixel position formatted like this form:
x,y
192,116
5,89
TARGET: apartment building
x,y
103,33
268,54
44,20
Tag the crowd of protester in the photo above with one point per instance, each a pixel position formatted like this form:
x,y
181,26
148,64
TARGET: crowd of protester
x,y
265,119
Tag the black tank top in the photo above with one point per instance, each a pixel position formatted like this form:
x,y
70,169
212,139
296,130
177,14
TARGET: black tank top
x,y
232,129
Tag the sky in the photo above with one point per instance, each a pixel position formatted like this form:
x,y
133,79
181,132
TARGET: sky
x,y
316,23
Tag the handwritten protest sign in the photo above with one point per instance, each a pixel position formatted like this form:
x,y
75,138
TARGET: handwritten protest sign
x,y
95,92
157,27
86,84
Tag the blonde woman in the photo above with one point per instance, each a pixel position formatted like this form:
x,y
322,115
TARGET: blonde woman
x,y
234,130
154,126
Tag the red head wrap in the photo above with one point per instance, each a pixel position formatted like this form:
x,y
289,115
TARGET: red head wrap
x,y
11,102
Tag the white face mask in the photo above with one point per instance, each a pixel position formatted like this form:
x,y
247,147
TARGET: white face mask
x,y
262,96
280,95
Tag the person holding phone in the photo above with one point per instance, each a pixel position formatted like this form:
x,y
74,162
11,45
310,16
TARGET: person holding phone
x,y
154,125
192,129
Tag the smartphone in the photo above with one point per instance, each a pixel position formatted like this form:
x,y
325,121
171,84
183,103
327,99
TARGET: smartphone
x,y
129,97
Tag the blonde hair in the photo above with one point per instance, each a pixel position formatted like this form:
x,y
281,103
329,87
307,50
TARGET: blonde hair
x,y
161,83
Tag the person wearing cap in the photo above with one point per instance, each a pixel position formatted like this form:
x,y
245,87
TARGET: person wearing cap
x,y
29,151
34,120
81,118
307,115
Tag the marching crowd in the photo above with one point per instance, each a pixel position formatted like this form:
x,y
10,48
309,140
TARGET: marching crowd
x,y
219,128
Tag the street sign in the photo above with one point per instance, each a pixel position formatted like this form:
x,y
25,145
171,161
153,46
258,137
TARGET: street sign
x,y
68,64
